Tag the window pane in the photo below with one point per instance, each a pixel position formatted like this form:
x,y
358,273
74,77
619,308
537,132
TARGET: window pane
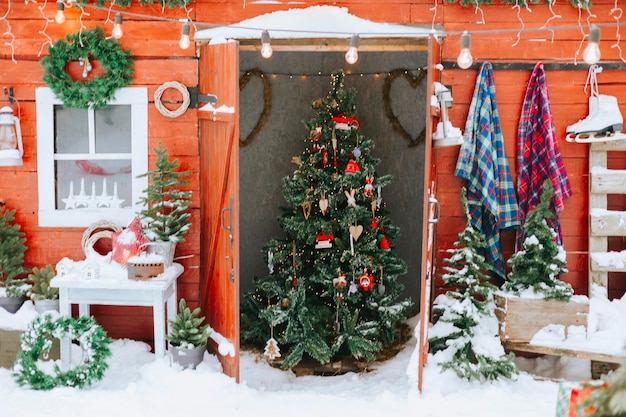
x,y
71,130
93,184
113,129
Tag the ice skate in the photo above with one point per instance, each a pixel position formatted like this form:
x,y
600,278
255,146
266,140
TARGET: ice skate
x,y
604,122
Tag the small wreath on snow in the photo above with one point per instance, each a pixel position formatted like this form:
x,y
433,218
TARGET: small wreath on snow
x,y
87,46
36,342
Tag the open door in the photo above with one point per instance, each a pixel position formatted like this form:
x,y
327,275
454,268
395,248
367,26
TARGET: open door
x,y
219,205
431,213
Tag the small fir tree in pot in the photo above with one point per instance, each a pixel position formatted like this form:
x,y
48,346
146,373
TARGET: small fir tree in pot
x,y
537,265
43,295
12,249
165,216
187,336
465,322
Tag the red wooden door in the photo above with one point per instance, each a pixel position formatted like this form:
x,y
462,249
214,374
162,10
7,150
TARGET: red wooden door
x,y
219,186
430,214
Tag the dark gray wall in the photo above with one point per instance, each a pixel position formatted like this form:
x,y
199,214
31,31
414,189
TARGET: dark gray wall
x,y
266,160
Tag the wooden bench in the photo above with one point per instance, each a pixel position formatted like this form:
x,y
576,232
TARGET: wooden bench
x,y
601,363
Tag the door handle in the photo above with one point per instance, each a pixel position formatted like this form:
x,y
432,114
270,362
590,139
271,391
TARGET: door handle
x,y
228,228
435,213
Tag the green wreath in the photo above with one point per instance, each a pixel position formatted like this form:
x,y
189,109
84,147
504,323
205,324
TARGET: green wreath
x,y
36,343
87,46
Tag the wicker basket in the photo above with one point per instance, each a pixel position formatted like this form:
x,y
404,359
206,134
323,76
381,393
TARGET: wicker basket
x,y
99,230
144,271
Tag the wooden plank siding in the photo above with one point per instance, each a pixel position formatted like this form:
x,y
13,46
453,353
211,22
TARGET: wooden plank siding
x,y
158,59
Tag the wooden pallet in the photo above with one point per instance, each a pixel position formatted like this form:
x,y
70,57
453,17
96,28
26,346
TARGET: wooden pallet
x,y
604,223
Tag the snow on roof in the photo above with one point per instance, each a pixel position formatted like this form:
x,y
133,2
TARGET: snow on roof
x,y
311,22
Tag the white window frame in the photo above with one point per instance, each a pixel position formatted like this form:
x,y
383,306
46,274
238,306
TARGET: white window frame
x,y
48,214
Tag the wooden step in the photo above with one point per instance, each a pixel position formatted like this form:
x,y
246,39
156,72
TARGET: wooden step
x,y
608,261
607,222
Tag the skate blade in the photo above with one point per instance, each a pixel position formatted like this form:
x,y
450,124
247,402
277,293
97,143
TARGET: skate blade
x,y
595,137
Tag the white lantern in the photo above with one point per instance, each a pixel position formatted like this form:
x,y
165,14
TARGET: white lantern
x,y
11,147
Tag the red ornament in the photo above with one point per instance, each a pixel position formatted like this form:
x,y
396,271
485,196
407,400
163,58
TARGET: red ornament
x,y
383,243
366,281
352,168
294,282
325,157
374,223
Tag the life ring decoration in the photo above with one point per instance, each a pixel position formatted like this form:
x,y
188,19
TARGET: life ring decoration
x,y
35,343
86,47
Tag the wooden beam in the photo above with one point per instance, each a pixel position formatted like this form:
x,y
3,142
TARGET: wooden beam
x,y
556,351
336,44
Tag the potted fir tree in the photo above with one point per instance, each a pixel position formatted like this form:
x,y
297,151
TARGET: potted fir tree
x,y
165,216
12,248
42,294
188,336
533,296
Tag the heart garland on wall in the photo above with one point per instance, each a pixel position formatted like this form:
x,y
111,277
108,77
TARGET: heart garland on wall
x,y
267,103
414,81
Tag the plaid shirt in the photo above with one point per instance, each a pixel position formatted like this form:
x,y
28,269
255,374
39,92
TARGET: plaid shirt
x,y
482,162
538,154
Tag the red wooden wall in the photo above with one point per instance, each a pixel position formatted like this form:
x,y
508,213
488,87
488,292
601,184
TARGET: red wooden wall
x,y
158,59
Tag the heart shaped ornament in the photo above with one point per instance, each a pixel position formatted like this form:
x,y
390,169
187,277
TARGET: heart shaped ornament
x,y
355,231
323,204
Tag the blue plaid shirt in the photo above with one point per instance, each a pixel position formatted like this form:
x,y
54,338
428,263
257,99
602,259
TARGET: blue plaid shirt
x,y
483,164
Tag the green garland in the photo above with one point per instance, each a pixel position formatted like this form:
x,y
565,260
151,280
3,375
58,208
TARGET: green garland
x,y
87,45
36,342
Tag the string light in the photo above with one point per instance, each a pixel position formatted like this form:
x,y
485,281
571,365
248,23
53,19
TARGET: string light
x,y
184,36
465,59
591,54
118,32
9,33
266,48
60,16
352,56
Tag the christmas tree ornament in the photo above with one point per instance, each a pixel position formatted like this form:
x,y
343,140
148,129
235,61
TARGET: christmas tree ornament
x,y
366,281
317,103
374,207
323,204
270,261
334,142
354,288
355,231
369,186
352,168
315,135
350,197
324,156
383,242
284,302
272,350
374,223
306,209
343,122
381,286
340,282
324,241
356,152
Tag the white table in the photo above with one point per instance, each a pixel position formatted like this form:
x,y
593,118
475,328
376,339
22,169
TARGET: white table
x,y
155,292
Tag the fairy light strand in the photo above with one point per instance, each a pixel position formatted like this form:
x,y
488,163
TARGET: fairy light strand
x,y
9,33
43,32
616,12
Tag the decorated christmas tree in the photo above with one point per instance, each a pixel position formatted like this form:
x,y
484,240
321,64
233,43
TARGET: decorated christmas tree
x,y
464,337
333,287
537,264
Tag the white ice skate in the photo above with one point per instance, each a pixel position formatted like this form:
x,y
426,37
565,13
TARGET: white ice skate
x,y
604,122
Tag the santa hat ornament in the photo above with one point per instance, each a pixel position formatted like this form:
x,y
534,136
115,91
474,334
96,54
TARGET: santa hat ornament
x,y
383,243
352,168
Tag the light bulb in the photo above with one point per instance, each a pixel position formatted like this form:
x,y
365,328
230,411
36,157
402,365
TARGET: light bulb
x,y
60,16
591,54
465,59
184,37
352,56
266,48
118,32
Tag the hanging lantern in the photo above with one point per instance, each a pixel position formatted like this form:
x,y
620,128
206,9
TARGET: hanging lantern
x,y
11,148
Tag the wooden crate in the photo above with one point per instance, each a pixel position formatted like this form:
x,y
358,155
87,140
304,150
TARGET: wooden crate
x,y
520,318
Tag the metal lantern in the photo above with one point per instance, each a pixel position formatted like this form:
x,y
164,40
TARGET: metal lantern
x,y
11,147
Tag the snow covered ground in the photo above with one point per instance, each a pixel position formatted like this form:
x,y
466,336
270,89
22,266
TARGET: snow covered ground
x,y
137,385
